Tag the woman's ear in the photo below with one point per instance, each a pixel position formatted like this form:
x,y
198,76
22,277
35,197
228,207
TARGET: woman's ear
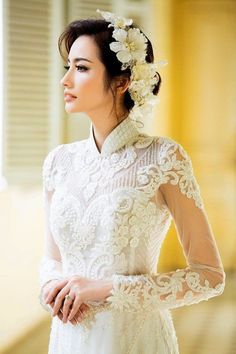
x,y
122,84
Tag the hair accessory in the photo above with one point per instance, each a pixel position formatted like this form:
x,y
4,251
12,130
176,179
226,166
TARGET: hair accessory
x,y
130,48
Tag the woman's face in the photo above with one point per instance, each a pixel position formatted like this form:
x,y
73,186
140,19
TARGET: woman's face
x,y
84,80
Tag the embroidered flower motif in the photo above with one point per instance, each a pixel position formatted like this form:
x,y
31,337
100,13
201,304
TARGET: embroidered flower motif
x,y
142,179
122,298
124,204
173,166
154,292
66,222
134,242
52,173
122,241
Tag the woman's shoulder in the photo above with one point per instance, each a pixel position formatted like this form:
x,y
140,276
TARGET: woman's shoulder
x,y
164,142
64,149
52,155
78,146
166,148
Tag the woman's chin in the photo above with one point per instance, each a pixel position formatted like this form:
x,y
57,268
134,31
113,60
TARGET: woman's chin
x,y
69,109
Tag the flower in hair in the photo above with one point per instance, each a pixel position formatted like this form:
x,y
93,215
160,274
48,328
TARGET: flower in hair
x,y
130,45
130,48
115,21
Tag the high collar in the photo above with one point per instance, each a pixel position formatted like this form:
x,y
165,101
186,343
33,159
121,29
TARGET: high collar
x,y
124,133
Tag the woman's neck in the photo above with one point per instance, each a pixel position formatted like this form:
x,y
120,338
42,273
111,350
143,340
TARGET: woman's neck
x,y
102,128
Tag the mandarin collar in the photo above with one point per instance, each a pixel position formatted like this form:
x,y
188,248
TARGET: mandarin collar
x,y
124,133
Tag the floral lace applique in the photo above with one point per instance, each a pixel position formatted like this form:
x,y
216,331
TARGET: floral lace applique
x,y
73,261
67,223
135,293
53,171
93,169
170,168
148,292
128,219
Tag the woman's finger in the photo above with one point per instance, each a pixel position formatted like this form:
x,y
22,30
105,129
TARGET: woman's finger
x,y
59,299
75,308
54,291
79,316
84,307
68,303
60,315
81,312
74,320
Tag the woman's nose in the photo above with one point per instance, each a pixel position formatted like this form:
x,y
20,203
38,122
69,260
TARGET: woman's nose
x,y
65,80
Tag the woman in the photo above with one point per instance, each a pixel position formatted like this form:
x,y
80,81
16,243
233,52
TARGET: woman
x,y
109,201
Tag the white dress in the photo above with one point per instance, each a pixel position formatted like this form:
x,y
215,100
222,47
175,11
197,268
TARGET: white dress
x,y
107,215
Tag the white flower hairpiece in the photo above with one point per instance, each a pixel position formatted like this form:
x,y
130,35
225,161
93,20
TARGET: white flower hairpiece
x,y
130,48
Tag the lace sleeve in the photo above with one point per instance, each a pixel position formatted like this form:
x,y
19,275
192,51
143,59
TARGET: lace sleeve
x,y
50,263
204,275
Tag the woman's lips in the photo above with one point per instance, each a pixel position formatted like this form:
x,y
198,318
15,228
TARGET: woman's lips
x,y
69,98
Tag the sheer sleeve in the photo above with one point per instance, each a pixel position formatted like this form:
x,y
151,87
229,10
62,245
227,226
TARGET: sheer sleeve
x,y
50,266
204,276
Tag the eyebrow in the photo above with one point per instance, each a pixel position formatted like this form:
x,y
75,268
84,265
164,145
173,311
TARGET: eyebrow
x,y
79,59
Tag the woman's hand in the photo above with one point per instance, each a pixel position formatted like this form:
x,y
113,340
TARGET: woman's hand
x,y
79,316
80,290
54,286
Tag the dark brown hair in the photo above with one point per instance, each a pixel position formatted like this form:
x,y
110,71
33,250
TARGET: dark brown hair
x,y
102,34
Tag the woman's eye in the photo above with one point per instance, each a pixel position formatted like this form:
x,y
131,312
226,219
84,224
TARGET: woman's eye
x,y
78,67
81,68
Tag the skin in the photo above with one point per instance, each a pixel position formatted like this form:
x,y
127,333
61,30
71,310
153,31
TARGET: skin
x,y
89,88
85,79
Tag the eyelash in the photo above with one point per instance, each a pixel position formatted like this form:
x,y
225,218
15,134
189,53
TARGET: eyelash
x,y
67,67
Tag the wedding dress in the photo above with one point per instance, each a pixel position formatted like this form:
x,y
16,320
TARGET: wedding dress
x,y
107,215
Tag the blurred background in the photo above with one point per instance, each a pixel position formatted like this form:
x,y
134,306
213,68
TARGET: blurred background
x,y
197,108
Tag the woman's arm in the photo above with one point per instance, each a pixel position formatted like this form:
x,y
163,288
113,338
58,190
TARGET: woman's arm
x,y
204,276
50,267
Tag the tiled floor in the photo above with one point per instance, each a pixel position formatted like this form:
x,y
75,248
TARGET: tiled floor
x,y
205,328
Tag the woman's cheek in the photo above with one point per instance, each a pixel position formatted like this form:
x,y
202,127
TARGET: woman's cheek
x,y
84,87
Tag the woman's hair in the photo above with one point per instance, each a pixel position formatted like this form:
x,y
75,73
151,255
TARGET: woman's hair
x,y
102,35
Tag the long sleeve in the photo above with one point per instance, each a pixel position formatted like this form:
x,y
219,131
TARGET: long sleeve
x,y
50,266
204,275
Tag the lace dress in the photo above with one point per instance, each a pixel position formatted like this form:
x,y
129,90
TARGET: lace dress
x,y
107,215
